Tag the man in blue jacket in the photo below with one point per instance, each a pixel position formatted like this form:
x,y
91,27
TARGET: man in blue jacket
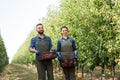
x,y
67,54
42,44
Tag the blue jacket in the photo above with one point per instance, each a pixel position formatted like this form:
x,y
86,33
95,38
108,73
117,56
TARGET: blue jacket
x,y
34,42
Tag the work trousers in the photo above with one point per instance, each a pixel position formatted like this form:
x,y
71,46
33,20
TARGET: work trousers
x,y
45,68
69,73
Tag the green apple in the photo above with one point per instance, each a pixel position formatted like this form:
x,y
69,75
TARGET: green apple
x,y
119,64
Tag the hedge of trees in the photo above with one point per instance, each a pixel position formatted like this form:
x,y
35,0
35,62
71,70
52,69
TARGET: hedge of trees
x,y
3,55
95,26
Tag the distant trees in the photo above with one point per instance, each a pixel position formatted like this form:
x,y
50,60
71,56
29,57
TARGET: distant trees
x,y
3,55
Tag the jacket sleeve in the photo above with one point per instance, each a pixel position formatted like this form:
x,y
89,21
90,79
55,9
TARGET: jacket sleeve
x,y
74,45
32,43
58,46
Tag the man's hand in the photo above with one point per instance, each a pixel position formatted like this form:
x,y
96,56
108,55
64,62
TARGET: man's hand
x,y
59,56
75,54
37,52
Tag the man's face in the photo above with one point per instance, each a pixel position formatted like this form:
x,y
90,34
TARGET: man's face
x,y
40,29
64,31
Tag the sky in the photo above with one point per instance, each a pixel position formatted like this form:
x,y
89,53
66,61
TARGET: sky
x,y
18,18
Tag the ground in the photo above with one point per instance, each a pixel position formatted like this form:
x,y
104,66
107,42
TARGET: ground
x,y
28,72
19,72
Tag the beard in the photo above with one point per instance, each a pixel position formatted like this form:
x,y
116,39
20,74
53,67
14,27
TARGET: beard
x,y
41,32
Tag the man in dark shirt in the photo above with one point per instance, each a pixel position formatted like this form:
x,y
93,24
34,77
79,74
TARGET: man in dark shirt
x,y
67,51
41,44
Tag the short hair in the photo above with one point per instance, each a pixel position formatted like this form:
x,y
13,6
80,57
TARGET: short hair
x,y
64,27
39,24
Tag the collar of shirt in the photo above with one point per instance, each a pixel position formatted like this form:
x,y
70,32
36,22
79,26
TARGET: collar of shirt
x,y
65,39
42,38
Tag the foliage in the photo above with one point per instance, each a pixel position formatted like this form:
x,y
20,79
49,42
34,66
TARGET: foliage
x,y
95,26
3,55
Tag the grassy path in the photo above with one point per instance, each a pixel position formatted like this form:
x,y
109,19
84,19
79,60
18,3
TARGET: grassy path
x,y
24,72
19,72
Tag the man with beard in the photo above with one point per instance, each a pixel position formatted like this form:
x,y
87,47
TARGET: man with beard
x,y
42,44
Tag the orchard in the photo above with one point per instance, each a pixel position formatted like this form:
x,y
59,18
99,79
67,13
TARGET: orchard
x,y
95,26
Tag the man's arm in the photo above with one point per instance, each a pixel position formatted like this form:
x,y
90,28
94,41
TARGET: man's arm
x,y
32,45
73,45
32,50
59,50
74,49
58,46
